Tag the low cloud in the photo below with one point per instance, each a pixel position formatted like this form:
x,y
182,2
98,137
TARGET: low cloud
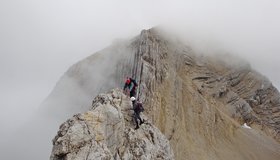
x,y
40,40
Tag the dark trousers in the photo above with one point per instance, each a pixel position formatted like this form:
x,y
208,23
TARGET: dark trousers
x,y
133,93
136,117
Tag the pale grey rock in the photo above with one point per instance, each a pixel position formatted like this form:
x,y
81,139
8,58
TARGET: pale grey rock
x,y
107,132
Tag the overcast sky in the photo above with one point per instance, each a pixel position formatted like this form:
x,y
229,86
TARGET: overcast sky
x,y
41,39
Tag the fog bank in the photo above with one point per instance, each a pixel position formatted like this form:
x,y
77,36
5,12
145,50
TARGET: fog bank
x,y
40,40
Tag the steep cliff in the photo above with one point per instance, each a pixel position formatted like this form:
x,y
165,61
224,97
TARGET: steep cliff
x,y
198,102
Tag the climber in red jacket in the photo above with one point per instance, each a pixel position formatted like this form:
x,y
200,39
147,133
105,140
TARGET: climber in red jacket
x,y
128,84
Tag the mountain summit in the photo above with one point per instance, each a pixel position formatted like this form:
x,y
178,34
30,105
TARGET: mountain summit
x,y
198,102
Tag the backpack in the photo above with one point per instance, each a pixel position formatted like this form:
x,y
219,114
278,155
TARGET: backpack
x,y
139,106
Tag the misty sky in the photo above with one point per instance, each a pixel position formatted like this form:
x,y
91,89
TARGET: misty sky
x,y
41,39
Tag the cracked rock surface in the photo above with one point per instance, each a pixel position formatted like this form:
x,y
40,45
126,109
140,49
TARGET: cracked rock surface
x,y
106,131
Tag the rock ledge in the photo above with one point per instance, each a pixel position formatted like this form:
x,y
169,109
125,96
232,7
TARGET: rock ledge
x,y
107,132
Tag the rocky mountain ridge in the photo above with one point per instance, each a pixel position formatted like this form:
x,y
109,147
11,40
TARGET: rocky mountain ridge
x,y
107,132
198,102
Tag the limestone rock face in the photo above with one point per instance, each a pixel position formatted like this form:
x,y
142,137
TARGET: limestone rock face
x,y
198,102
107,132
